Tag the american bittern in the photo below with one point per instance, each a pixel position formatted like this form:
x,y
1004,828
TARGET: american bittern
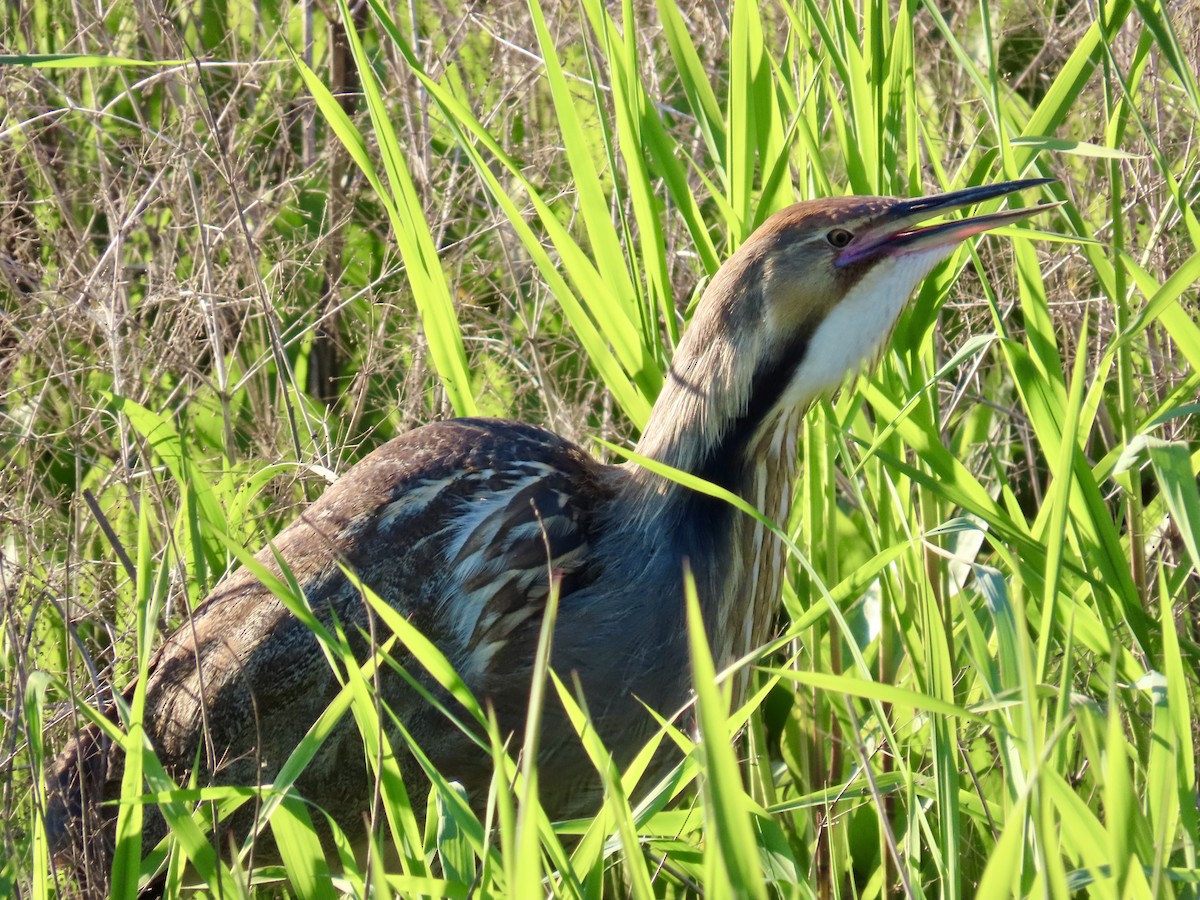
x,y
461,525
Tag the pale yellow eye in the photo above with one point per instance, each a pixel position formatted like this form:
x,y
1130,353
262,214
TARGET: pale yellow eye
x,y
839,238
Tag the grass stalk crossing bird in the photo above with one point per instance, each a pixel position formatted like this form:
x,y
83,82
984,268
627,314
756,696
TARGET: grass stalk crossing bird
x,y
461,525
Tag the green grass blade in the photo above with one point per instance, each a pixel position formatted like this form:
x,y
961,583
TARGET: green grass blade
x,y
302,855
733,857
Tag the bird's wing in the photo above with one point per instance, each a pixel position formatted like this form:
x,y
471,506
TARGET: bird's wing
x,y
460,526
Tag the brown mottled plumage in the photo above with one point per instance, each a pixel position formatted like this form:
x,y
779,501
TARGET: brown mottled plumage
x,y
459,526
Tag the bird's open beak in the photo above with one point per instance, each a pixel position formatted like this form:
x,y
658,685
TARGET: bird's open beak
x,y
896,232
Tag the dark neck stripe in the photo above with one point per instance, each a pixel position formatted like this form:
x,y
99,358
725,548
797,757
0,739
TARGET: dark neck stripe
x,y
725,462
703,525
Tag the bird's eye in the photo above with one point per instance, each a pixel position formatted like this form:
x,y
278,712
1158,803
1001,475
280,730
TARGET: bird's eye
x,y
839,238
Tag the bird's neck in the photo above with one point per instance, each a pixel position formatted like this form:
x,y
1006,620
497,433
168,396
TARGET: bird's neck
x,y
721,415
714,422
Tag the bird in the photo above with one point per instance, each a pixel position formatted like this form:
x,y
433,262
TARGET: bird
x,y
465,526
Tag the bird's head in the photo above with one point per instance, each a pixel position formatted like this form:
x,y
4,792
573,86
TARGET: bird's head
x,y
813,294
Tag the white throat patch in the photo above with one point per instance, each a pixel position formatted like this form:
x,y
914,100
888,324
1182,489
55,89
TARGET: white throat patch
x,y
856,328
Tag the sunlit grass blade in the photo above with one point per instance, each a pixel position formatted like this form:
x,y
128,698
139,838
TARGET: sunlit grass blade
x,y
587,855
1179,747
301,851
454,851
83,61
130,817
732,857
33,703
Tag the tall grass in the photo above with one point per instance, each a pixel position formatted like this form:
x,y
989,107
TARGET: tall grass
x,y
243,243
